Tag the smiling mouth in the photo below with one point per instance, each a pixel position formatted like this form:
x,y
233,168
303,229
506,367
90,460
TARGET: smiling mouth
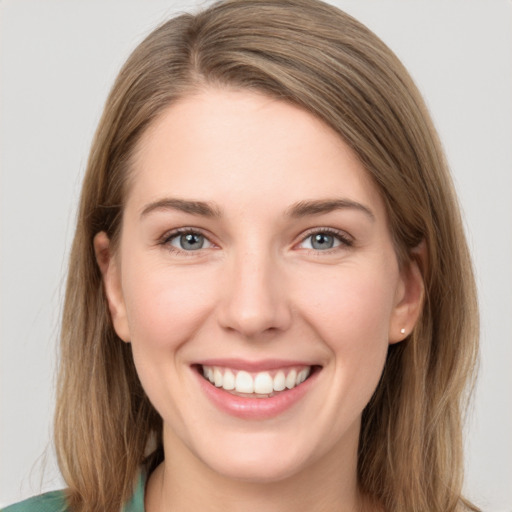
x,y
265,384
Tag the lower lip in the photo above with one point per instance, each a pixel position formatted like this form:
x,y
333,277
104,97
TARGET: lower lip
x,y
255,408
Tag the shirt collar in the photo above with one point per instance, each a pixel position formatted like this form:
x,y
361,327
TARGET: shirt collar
x,y
136,504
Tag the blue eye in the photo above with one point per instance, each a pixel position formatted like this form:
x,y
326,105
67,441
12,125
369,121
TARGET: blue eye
x,y
324,240
189,241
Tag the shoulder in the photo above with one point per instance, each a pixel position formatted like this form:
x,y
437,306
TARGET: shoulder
x,y
54,501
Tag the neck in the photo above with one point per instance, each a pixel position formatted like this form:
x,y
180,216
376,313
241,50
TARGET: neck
x,y
183,483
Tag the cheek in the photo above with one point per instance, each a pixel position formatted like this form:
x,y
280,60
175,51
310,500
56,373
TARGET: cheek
x,y
351,307
164,310
350,311
165,306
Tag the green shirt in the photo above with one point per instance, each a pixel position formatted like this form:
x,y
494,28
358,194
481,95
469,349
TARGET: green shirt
x,y
55,501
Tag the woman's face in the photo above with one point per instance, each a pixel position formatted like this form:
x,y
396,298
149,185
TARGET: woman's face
x,y
255,250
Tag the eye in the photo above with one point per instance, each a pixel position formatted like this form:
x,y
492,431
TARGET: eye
x,y
188,241
324,240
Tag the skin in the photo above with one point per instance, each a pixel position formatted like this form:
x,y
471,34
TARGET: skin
x,y
257,290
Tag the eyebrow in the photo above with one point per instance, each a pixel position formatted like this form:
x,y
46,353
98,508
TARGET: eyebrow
x,y
305,208
194,207
300,209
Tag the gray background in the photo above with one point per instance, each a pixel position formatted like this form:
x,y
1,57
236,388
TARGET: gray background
x,y
57,62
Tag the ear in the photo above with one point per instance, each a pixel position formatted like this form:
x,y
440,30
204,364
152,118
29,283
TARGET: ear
x,y
110,271
410,295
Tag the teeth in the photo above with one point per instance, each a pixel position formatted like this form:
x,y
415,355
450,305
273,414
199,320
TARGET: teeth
x,y
244,382
279,381
302,376
217,378
261,383
208,373
229,380
291,379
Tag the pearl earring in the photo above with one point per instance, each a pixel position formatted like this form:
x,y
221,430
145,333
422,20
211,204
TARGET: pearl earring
x,y
402,331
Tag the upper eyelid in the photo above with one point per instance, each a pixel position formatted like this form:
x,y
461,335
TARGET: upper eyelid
x,y
165,241
172,233
343,235
331,231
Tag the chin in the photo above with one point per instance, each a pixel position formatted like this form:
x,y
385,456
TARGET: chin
x,y
262,459
258,470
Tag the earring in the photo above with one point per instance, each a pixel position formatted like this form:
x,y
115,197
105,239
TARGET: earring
x,y
402,331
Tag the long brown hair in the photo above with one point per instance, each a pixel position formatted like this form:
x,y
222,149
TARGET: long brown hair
x,y
319,58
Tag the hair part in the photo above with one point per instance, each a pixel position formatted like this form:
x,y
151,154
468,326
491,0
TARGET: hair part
x,y
322,60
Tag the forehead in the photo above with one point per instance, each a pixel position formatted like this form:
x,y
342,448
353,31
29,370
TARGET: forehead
x,y
245,149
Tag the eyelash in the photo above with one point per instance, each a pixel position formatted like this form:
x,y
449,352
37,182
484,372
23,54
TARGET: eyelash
x,y
168,237
345,241
340,236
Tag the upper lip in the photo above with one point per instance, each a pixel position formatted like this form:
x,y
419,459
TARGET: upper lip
x,y
253,366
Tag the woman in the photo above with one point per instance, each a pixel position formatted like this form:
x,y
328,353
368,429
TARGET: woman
x,y
270,301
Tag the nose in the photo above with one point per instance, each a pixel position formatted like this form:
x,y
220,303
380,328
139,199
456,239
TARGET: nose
x,y
255,299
